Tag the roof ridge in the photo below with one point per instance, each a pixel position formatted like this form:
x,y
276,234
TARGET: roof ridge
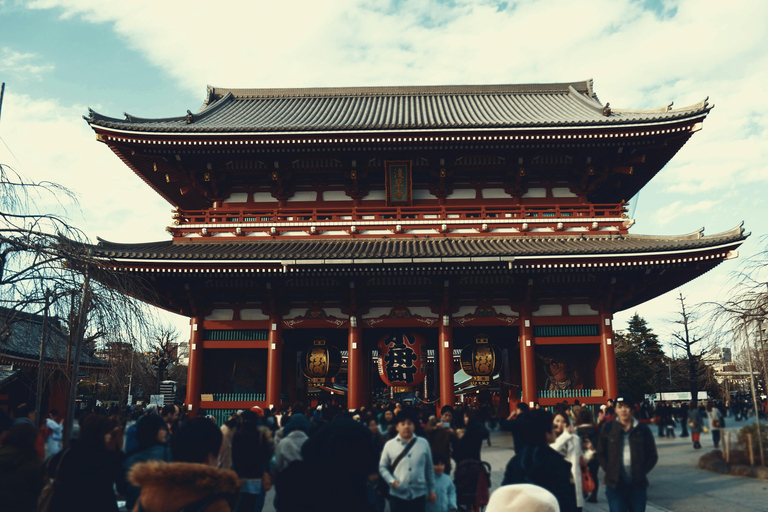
x,y
213,93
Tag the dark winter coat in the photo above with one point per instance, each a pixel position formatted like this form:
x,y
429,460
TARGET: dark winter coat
x,y
170,486
642,449
469,445
543,466
87,477
21,479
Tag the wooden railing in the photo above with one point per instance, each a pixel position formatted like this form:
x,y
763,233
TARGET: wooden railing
x,y
398,220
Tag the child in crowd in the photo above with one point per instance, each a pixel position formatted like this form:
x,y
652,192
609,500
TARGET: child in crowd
x,y
444,488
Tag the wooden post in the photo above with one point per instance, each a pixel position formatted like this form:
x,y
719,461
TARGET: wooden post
x,y
728,447
751,453
82,319
355,397
195,368
527,358
608,355
445,338
274,361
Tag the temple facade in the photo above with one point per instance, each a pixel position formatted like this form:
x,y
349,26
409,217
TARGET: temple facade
x,y
404,225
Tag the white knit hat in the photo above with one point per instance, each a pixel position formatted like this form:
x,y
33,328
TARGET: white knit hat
x,y
522,497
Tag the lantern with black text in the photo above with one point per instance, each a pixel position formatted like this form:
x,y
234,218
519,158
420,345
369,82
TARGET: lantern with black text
x,y
481,360
402,360
321,362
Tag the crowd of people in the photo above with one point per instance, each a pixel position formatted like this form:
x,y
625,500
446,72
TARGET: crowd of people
x,y
328,458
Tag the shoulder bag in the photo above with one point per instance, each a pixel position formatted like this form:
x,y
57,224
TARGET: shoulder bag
x,y
46,495
587,483
384,487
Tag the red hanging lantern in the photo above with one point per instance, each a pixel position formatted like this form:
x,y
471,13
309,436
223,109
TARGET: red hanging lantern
x,y
481,360
402,360
321,362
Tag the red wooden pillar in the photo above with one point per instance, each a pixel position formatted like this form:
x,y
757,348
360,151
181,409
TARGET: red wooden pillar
x,y
527,358
445,337
274,361
195,368
355,380
608,356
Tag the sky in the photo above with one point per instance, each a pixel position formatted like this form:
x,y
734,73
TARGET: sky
x,y
58,58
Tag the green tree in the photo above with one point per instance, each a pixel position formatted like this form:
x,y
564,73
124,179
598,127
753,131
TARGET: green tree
x,y
640,362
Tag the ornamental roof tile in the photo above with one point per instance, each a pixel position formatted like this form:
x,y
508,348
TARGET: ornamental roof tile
x,y
399,108
282,250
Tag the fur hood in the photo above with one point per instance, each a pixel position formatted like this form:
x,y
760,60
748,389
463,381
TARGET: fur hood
x,y
169,486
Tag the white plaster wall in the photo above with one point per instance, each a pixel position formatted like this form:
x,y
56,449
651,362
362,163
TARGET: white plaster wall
x,y
562,192
303,195
263,197
375,195
252,314
536,192
422,193
221,314
581,310
463,193
549,310
237,197
495,193
336,195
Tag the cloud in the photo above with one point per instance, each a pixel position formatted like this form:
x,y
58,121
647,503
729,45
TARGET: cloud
x,y
53,143
672,212
22,65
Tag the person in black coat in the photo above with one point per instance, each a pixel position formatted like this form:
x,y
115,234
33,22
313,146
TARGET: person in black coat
x,y
88,471
468,445
539,464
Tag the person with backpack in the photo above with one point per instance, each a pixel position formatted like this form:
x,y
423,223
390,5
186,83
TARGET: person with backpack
x,y
406,465
627,453
252,449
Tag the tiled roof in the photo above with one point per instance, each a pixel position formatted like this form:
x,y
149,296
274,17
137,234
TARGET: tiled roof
x,y
283,250
399,108
24,341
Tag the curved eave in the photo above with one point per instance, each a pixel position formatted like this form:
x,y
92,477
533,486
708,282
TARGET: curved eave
x,y
508,250
127,130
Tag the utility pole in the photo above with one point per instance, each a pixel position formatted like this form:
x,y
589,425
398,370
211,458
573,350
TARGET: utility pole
x,y
2,93
754,394
41,361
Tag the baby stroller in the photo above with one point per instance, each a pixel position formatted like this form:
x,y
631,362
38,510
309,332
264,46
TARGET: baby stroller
x,y
472,479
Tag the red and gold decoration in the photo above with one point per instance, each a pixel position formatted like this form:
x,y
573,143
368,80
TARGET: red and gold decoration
x,y
481,360
402,360
398,183
321,362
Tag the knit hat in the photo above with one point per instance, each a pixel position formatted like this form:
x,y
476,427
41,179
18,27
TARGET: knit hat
x,y
528,497
297,422
258,410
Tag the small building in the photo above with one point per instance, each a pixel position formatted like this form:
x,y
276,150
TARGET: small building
x,y
20,361
367,218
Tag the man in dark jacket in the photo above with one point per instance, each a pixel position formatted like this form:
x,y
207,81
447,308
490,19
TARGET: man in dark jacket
x,y
627,453
539,464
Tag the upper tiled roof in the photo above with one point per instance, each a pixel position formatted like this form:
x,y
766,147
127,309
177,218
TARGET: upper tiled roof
x,y
328,250
24,340
399,108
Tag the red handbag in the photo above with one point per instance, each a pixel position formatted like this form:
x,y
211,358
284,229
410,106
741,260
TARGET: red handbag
x,y
587,482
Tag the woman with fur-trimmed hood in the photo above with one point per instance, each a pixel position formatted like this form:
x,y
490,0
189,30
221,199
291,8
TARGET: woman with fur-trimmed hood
x,y
192,480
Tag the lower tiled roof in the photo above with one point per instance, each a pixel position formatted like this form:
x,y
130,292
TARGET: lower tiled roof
x,y
318,249
23,341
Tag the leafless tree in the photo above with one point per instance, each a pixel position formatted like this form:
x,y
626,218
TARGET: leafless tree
x,y
47,266
695,345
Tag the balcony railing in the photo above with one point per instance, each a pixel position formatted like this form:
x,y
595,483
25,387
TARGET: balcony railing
x,y
397,220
